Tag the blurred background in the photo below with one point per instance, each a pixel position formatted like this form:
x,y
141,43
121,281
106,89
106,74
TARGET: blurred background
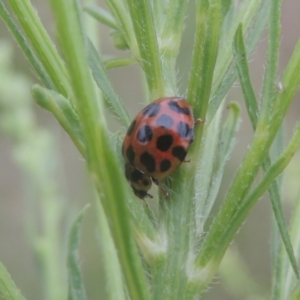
x,y
251,247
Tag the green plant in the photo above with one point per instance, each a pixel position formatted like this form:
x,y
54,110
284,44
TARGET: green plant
x,y
168,255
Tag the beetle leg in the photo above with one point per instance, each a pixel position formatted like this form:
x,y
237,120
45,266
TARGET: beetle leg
x,y
164,191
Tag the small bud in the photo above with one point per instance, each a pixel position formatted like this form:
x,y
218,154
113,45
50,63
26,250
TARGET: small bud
x,y
119,40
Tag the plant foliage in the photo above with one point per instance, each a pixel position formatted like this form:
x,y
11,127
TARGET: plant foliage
x,y
168,255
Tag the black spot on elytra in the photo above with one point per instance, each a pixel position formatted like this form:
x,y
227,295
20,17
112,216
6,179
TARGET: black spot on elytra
x,y
131,128
146,182
164,121
184,130
165,165
179,152
181,110
145,134
151,110
130,154
164,142
148,161
136,175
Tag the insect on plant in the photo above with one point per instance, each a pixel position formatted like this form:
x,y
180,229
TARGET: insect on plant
x,y
171,250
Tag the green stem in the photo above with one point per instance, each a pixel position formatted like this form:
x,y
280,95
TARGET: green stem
x,y
269,87
25,46
271,174
101,161
63,111
42,45
146,36
210,255
169,42
209,20
119,10
253,17
252,108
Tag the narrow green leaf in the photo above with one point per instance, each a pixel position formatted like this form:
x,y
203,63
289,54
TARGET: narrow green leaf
x,y
101,15
160,11
171,31
271,174
118,62
252,108
42,45
146,36
219,157
76,287
288,279
113,273
8,289
211,253
169,39
277,167
205,169
230,17
208,28
290,81
119,10
250,14
63,111
217,145
102,164
277,253
20,39
253,17
240,57
270,77
210,258
209,20
112,99
226,145
105,17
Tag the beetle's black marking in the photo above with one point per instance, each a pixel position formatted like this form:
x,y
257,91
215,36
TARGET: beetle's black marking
x,y
145,134
146,182
179,152
164,142
165,165
151,110
136,175
184,130
148,161
181,110
130,154
140,193
164,121
131,128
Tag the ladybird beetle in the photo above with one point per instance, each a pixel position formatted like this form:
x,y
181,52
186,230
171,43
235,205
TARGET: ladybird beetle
x,y
157,142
